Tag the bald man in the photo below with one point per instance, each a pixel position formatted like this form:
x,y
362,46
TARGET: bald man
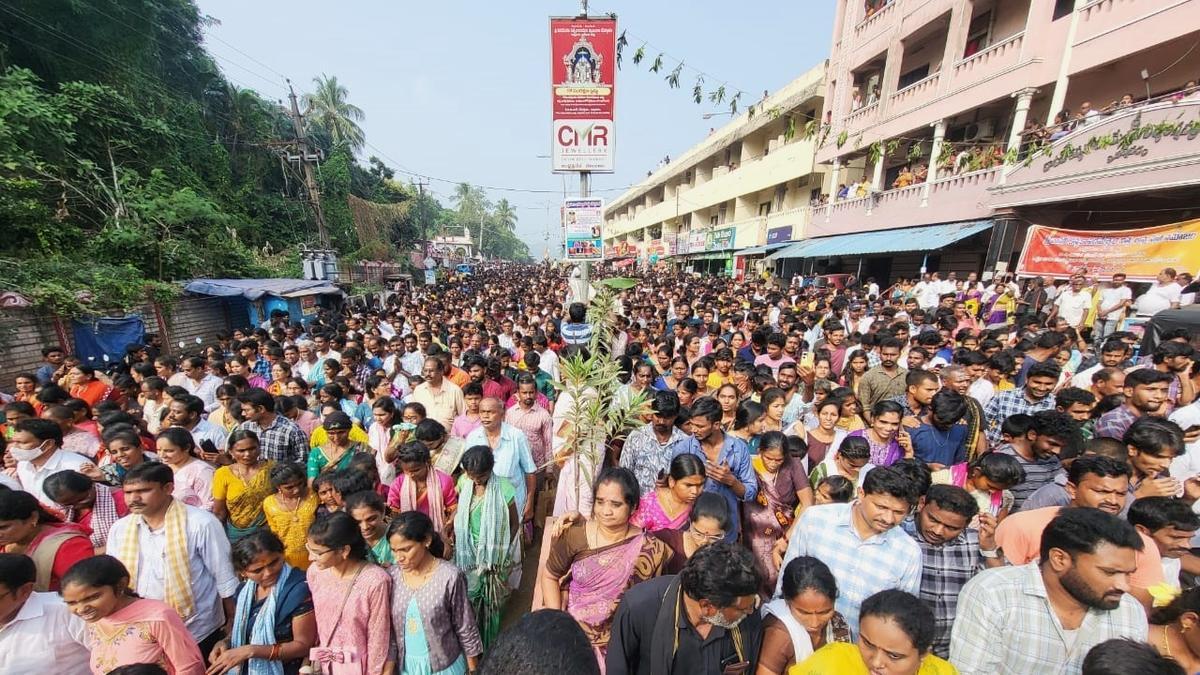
x,y
510,447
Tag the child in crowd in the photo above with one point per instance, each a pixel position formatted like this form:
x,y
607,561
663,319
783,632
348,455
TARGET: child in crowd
x,y
987,480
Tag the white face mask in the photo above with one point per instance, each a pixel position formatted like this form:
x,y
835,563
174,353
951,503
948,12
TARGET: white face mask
x,y
26,454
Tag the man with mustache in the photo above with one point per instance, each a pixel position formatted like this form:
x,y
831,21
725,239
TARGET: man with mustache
x,y
1045,615
175,553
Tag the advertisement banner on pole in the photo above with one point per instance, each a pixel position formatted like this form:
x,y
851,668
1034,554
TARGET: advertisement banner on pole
x,y
583,228
1140,254
583,68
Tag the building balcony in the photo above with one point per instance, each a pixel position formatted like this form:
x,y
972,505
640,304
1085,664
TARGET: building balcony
x,y
988,63
862,117
1113,28
950,199
1138,150
914,94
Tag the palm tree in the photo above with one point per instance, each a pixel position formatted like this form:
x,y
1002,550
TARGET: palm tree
x,y
506,215
328,108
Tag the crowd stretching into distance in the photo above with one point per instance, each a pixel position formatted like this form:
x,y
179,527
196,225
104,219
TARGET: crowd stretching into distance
x,y
942,476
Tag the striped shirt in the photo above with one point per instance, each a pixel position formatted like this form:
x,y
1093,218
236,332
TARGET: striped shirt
x,y
1038,472
945,568
1008,403
861,566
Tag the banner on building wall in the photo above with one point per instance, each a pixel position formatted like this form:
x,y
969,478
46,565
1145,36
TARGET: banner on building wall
x,y
583,228
720,240
696,241
1140,254
583,68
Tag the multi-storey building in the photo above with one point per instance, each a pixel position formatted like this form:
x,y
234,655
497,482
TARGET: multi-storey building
x,y
944,123
741,192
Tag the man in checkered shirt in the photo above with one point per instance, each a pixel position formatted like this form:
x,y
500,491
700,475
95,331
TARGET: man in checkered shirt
x,y
1044,616
861,543
951,553
1035,396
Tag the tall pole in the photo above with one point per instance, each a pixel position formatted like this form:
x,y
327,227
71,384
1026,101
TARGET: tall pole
x,y
310,180
585,189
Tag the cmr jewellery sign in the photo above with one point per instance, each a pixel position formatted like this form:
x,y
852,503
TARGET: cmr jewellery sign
x,y
583,68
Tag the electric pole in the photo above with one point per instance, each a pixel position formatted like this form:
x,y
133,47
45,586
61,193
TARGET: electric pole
x,y
308,159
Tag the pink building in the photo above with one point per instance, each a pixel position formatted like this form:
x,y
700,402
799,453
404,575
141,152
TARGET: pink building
x,y
981,117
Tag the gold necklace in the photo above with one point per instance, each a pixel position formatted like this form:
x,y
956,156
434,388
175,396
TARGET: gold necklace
x,y
1166,642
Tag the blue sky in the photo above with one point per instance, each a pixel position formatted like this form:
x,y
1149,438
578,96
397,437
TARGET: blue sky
x,y
460,91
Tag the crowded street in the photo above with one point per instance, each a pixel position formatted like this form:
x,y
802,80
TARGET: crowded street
x,y
891,370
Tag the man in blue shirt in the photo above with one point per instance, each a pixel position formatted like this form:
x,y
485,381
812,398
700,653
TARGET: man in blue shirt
x,y
726,459
52,359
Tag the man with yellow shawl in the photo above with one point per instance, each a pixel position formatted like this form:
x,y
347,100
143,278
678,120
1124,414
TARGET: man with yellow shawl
x,y
175,553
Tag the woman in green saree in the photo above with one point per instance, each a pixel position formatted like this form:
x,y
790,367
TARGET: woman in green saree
x,y
337,452
486,536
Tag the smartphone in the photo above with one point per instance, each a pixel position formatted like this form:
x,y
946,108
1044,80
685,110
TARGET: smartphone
x,y
208,449
807,359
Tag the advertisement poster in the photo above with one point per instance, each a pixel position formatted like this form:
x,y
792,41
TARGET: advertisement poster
x,y
720,240
583,67
779,235
583,228
1141,254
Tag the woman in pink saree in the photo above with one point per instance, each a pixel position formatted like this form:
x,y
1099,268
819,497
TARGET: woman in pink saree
x,y
594,562
668,506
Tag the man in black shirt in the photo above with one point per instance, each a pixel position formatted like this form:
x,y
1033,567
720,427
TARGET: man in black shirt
x,y
702,622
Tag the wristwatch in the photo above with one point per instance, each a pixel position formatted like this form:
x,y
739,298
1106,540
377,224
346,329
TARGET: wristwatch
x,y
994,553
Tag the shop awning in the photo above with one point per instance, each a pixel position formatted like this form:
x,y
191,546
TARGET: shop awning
x,y
759,250
924,238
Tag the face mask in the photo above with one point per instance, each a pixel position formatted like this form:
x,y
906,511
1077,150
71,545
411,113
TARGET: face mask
x,y
718,619
25,454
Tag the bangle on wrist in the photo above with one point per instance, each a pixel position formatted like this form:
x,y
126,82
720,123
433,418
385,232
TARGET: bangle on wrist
x,y
275,649
992,553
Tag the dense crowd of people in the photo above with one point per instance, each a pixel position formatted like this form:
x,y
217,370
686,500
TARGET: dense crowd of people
x,y
943,476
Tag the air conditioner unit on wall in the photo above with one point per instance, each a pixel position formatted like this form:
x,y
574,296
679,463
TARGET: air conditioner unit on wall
x,y
982,130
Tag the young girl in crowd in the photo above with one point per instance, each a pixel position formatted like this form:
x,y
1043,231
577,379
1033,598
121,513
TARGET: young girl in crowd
x,y
988,479
124,629
290,511
670,503
369,511
193,477
834,490
435,625
852,460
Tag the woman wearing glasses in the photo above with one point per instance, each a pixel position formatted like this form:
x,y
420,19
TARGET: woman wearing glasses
x,y
708,523
350,596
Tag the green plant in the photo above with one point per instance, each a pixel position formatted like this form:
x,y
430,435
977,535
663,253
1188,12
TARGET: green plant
x,y
588,388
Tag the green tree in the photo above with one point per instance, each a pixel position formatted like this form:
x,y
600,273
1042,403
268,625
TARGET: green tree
x,y
328,108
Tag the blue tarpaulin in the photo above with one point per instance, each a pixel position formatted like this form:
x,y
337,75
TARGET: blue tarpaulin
x,y
103,337
925,238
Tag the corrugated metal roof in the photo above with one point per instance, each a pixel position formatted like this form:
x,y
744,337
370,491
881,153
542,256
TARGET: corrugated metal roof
x,y
253,289
924,238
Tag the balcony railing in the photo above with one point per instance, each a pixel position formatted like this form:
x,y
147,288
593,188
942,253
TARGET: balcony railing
x,y
861,115
914,90
950,184
875,18
981,63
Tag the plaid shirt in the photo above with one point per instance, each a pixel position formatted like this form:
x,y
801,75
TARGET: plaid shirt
x,y
1115,422
862,567
945,569
647,458
262,367
282,441
1007,403
1006,626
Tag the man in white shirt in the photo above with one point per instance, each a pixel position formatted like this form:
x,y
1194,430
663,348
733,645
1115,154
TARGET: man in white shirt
x,y
212,583
38,633
308,359
186,412
201,384
1164,293
1072,304
1114,300
37,446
